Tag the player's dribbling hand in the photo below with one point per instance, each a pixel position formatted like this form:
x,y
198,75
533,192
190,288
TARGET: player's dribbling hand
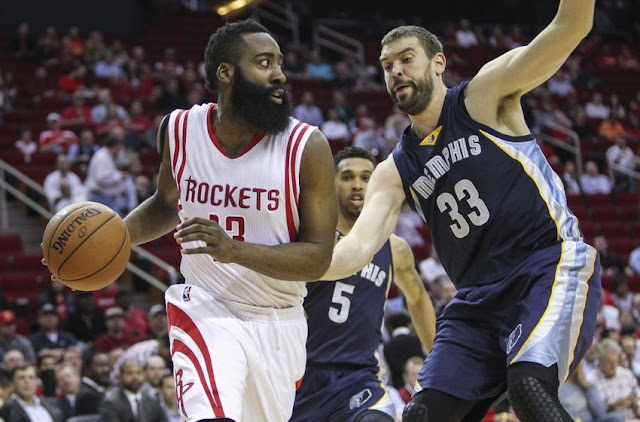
x,y
218,244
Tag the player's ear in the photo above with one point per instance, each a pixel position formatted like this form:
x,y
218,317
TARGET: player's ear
x,y
224,73
439,63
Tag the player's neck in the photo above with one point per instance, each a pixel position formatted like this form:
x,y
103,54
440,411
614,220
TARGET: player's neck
x,y
424,123
345,224
233,132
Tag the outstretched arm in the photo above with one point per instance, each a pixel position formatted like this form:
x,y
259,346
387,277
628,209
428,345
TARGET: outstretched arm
x,y
520,70
305,259
157,215
423,316
382,204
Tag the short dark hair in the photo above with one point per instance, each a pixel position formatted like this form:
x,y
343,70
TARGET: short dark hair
x,y
429,41
22,367
225,46
353,152
398,319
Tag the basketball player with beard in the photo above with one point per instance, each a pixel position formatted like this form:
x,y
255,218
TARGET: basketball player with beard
x,y
253,189
528,284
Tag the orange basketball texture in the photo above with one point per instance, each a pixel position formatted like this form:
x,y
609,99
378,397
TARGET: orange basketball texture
x,y
86,246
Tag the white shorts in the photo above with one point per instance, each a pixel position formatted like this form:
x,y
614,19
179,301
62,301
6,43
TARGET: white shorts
x,y
232,360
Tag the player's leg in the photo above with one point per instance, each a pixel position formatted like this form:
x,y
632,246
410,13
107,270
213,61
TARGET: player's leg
x,y
209,363
436,406
466,366
533,392
555,327
373,416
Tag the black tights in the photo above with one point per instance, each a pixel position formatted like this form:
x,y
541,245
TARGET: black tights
x,y
533,392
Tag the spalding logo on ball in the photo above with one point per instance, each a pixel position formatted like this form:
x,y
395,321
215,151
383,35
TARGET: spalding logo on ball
x,y
86,246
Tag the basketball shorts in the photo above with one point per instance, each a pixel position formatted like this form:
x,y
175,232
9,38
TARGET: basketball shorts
x,y
543,312
233,360
335,395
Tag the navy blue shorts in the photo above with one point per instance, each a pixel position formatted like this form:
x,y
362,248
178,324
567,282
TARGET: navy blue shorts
x,y
543,312
339,395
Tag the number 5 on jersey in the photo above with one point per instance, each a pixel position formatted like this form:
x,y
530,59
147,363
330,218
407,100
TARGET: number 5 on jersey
x,y
340,313
234,225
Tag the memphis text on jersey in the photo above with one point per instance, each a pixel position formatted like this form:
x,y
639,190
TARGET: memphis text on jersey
x,y
231,196
440,164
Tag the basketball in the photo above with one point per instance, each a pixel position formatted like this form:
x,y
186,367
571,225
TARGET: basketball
x,y
86,246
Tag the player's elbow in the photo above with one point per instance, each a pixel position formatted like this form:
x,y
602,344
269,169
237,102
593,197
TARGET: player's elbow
x,y
321,263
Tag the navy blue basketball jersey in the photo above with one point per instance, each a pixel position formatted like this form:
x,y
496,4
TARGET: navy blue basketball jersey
x,y
345,316
489,199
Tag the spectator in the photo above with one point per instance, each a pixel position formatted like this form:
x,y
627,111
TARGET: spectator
x,y
465,37
621,161
430,268
611,128
371,138
104,181
55,139
76,41
6,390
595,108
87,323
583,401
138,127
94,384
60,296
47,362
606,59
409,376
68,381
634,265
73,356
171,96
125,402
168,68
108,67
24,405
621,296
344,79
54,181
570,179
317,68
26,145
115,335
77,115
582,127
394,125
99,111
80,154
136,324
41,86
334,128
50,337
617,385
292,67
157,322
141,352
307,111
609,261
11,359
47,47
111,124
560,84
627,60
154,369
629,344
10,340
403,345
168,399
72,82
23,43
343,109
593,182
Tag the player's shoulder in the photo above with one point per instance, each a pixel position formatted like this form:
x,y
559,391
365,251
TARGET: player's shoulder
x,y
196,109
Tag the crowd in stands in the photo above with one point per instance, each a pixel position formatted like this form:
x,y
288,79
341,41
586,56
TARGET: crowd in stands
x,y
84,353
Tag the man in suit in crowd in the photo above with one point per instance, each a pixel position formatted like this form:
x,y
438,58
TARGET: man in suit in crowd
x,y
126,403
24,405
68,381
94,384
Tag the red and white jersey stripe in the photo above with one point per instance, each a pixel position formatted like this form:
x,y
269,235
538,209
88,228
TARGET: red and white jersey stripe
x,y
253,196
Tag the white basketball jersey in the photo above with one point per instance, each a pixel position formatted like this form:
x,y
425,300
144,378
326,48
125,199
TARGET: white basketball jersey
x,y
254,197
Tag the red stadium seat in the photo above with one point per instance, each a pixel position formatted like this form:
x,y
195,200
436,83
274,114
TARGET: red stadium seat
x,y
613,229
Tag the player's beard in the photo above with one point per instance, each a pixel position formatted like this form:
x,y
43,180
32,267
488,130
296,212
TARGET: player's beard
x,y
254,104
348,210
420,97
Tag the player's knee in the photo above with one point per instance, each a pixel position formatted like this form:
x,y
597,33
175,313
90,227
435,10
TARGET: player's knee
x,y
373,416
415,412
527,381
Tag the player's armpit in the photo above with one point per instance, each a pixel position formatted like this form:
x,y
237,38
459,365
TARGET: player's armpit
x,y
520,70
382,205
408,280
